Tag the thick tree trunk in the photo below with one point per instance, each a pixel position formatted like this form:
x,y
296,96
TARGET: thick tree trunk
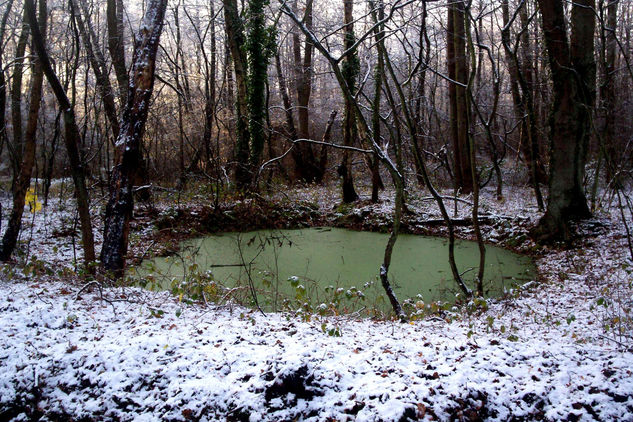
x,y
23,177
459,109
128,145
574,77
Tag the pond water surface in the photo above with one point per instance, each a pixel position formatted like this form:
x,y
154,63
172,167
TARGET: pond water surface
x,y
318,261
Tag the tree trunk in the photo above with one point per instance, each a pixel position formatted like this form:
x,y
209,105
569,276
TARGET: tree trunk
x,y
236,40
379,75
15,148
608,93
128,145
573,71
307,165
116,46
459,110
98,64
3,82
351,67
72,138
258,76
523,104
23,177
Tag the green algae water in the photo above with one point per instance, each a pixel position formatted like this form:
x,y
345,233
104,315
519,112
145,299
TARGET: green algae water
x,y
322,264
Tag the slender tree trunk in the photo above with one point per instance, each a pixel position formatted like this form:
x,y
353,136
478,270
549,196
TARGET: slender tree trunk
x,y
15,148
411,126
608,94
523,105
258,77
98,64
72,138
283,88
379,75
424,57
527,81
209,88
3,82
128,146
23,179
307,164
350,70
116,46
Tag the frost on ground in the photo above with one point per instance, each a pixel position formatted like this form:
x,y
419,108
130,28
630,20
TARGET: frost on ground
x,y
558,350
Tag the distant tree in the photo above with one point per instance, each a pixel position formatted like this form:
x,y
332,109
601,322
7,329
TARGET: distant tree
x,y
573,68
128,146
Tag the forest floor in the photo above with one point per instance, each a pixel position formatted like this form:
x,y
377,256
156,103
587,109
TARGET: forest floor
x,y
561,348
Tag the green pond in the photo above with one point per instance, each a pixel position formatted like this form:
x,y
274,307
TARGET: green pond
x,y
324,265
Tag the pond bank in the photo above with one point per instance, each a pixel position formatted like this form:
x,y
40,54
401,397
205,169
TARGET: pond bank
x,y
559,350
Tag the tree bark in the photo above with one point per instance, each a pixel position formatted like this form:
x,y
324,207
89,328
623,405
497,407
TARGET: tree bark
x,y
236,40
350,71
307,165
116,46
459,109
128,146
15,148
573,71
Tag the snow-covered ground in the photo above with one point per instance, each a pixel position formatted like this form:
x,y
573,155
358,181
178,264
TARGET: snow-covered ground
x,y
558,350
